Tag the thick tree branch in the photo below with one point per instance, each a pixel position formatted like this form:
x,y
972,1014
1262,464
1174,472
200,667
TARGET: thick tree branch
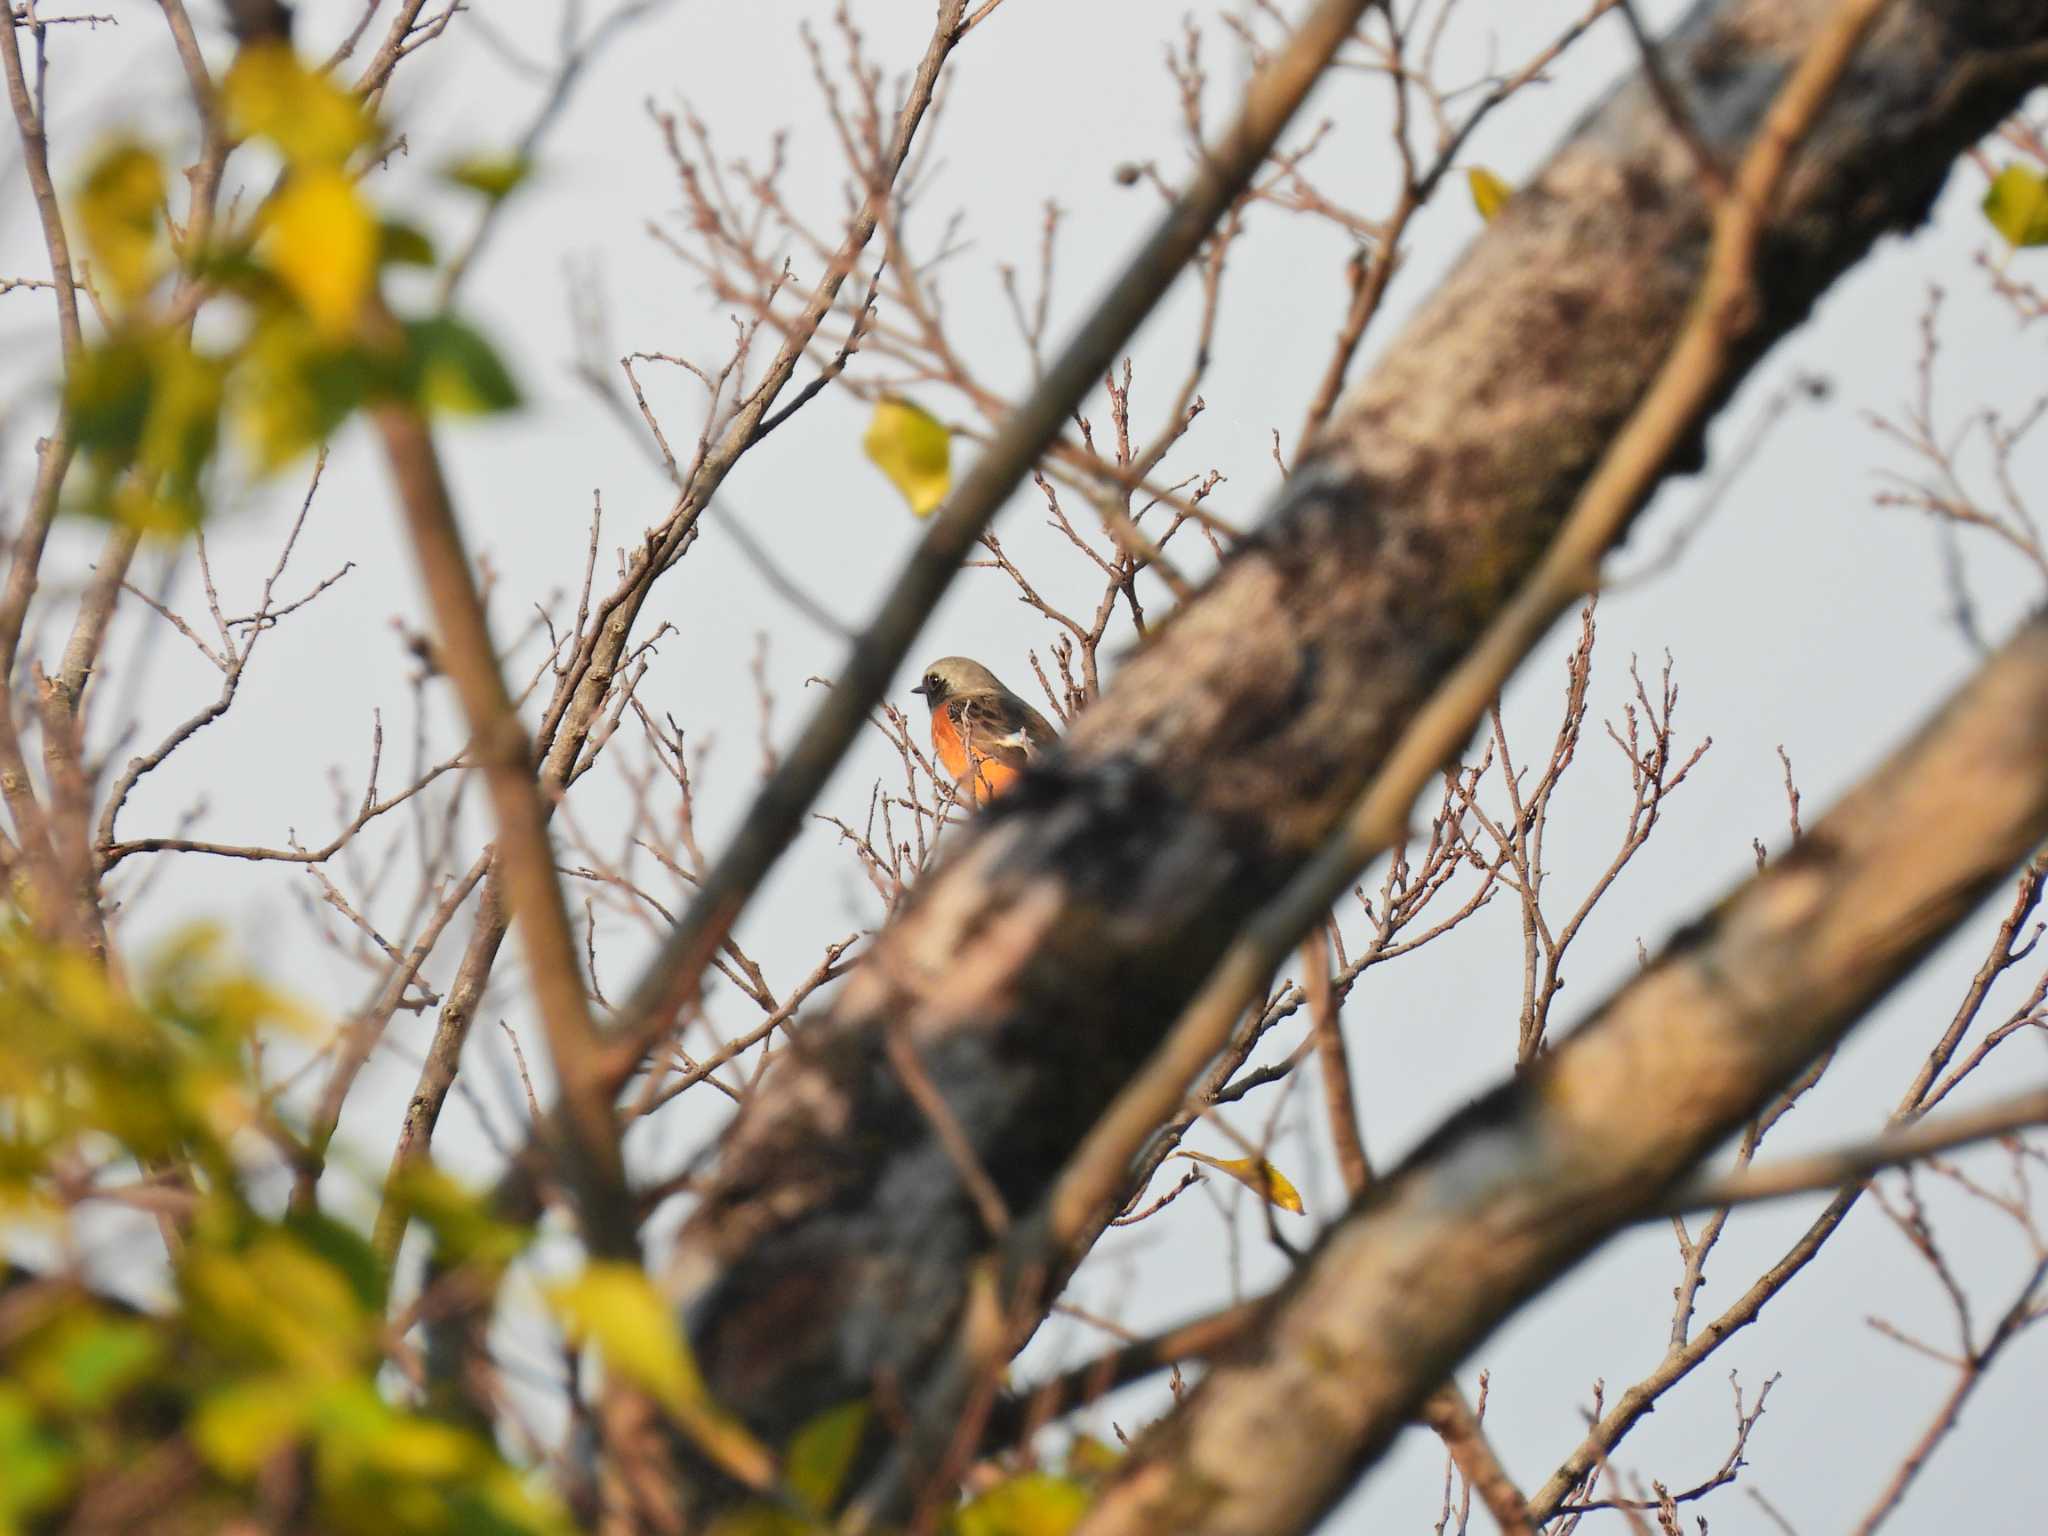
x,y
1511,1193
1641,1397
1042,964
1690,380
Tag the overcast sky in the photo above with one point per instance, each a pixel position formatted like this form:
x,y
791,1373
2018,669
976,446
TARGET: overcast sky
x,y
1802,614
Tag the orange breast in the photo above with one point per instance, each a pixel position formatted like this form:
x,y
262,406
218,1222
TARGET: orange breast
x,y
990,777
946,742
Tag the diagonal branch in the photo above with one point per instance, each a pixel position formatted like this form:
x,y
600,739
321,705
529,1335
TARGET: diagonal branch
x,y
1852,1164
525,859
1512,1192
1692,379
777,813
582,691
1040,966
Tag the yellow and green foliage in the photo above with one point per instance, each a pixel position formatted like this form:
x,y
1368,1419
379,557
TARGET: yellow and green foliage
x,y
260,1365
257,1358
296,334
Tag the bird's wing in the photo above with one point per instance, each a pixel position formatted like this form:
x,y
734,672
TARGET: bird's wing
x,y
1037,729
1000,728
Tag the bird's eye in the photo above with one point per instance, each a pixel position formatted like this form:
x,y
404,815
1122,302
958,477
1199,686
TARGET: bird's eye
x,y
931,680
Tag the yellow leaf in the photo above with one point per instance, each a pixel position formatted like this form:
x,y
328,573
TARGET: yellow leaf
x,y
117,214
1489,192
615,1307
909,445
421,1450
1091,1458
279,1302
2016,203
179,433
1256,1174
270,94
1036,1504
463,1224
292,388
323,244
239,1427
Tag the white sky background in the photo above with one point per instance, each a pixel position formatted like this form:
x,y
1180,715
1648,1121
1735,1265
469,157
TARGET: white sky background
x,y
1801,615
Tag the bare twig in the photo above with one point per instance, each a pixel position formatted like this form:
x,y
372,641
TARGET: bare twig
x,y
1851,1164
1270,102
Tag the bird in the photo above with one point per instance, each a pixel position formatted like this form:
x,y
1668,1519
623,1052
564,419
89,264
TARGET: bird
x,y
983,733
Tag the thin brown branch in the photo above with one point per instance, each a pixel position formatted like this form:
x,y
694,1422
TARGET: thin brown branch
x,y
1270,102
525,857
1854,1163
1527,1182
54,460
1685,388
2015,1318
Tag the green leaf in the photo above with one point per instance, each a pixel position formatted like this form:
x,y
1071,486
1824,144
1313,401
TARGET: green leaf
x,y
360,1436
1489,192
2017,205
1256,1174
454,369
821,1453
277,1304
494,176
1036,1504
502,1501
107,400
233,268
461,1220
403,245
911,447
178,437
117,214
87,1360
345,1251
293,388
35,1465
146,403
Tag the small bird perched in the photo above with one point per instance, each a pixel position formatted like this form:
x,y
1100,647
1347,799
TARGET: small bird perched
x,y
984,734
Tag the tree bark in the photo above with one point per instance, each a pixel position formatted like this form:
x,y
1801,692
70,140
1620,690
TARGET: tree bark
x,y
1506,1196
1039,967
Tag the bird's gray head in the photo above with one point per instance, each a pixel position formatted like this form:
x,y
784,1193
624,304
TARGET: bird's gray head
x,y
955,674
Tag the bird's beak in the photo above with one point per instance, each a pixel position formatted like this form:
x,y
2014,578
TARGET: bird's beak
x,y
919,690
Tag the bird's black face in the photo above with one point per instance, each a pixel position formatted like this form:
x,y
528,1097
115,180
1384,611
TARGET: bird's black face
x,y
933,688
